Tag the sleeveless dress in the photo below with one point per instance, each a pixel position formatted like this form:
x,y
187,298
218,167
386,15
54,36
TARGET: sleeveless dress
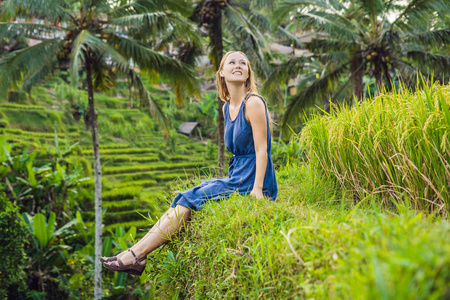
x,y
242,165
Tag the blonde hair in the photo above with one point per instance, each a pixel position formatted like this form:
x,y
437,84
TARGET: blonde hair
x,y
250,85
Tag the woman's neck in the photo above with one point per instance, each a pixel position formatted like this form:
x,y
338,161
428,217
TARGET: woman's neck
x,y
237,93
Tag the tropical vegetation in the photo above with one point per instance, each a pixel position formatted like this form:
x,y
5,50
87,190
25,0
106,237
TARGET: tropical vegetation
x,y
358,89
356,41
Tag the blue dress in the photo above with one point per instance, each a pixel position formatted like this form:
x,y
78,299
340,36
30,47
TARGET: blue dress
x,y
242,166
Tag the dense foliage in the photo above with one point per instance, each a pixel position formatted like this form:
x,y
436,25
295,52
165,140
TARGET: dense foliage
x,y
12,244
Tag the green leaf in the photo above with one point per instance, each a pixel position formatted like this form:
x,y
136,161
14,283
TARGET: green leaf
x,y
64,228
119,281
107,246
51,225
120,232
40,230
122,243
131,234
31,176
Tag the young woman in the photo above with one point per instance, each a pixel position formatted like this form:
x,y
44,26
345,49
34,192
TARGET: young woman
x,y
251,171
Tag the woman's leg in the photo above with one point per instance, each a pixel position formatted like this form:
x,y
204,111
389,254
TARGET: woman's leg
x,y
158,235
163,217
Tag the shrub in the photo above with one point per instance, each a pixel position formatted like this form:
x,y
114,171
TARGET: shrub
x,y
12,244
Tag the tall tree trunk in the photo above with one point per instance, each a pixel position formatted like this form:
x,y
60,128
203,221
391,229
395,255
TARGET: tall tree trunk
x,y
92,122
216,36
378,76
357,73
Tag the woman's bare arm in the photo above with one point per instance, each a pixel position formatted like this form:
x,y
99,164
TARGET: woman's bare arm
x,y
255,111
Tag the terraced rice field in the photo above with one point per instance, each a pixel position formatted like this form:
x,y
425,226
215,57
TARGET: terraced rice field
x,y
138,176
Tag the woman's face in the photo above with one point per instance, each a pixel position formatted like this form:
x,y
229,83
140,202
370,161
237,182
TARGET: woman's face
x,y
235,68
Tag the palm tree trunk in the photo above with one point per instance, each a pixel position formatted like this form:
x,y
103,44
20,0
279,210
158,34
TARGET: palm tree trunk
x,y
378,76
357,73
98,184
216,36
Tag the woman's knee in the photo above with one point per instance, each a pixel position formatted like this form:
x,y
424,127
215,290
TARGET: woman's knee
x,y
183,211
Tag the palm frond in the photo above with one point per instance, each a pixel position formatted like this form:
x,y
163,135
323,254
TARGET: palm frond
x,y
158,25
280,74
51,10
418,12
428,60
25,62
147,101
103,75
328,44
145,6
310,94
30,30
119,59
262,4
431,38
36,77
249,38
148,59
286,35
334,25
188,54
333,56
372,8
286,10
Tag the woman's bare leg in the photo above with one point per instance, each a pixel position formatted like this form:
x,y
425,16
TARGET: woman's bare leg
x,y
163,217
158,235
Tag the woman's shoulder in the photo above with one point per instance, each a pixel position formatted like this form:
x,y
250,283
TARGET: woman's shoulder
x,y
255,101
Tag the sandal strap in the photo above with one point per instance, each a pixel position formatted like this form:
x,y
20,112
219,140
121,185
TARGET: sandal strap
x,y
120,263
132,252
138,260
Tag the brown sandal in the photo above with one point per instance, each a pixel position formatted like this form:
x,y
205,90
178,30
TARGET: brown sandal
x,y
134,269
109,259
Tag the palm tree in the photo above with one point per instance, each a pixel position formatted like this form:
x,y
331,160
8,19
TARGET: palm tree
x,y
381,39
100,40
244,28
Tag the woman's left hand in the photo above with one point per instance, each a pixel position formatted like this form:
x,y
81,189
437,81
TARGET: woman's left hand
x,y
257,193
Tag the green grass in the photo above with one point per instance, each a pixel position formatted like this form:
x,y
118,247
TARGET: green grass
x,y
121,151
308,244
126,205
34,120
107,146
142,183
396,146
122,193
150,167
123,159
22,106
19,133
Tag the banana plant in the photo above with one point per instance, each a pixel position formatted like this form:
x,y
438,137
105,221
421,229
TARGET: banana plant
x,y
45,247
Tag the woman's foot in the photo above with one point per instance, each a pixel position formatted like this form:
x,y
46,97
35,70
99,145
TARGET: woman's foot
x,y
113,258
128,262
